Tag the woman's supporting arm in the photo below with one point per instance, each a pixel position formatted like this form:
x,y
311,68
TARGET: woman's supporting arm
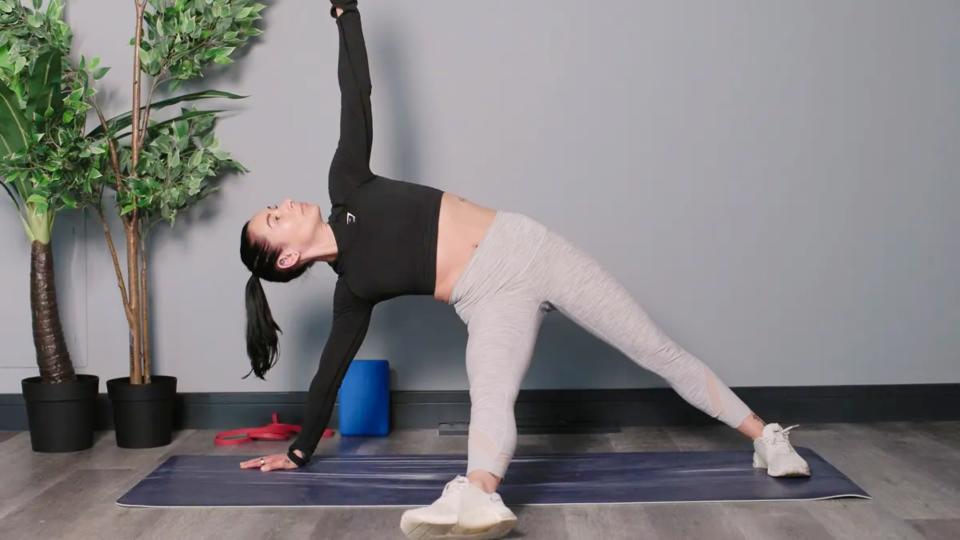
x,y
351,317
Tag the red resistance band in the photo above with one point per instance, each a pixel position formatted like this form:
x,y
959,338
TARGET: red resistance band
x,y
274,431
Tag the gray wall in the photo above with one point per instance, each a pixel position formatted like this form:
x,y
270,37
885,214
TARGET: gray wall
x,y
775,182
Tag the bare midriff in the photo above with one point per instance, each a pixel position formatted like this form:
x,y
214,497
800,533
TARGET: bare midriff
x,y
461,226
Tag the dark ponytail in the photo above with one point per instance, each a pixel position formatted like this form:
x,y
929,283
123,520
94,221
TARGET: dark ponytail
x,y
261,330
262,341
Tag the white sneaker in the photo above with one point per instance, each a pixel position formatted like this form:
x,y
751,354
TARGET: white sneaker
x,y
463,511
773,451
483,515
436,520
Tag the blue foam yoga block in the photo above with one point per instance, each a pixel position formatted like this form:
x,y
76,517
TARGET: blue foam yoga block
x,y
365,399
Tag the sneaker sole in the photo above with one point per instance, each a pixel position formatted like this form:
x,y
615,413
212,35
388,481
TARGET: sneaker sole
x,y
422,530
497,530
439,531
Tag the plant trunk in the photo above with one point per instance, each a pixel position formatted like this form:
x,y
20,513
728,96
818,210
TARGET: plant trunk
x,y
53,358
132,229
144,309
135,110
115,259
132,225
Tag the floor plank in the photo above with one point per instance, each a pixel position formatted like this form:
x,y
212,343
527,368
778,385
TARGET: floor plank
x,y
81,506
784,519
687,520
643,439
542,523
858,519
937,529
886,469
613,522
712,437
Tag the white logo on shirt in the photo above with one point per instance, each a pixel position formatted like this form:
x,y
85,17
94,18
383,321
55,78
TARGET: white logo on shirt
x,y
350,218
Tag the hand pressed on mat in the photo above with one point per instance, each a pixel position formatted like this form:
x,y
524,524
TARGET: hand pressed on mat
x,y
271,462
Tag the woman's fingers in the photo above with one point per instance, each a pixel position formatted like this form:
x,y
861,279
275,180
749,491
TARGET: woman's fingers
x,y
277,461
264,463
251,463
269,463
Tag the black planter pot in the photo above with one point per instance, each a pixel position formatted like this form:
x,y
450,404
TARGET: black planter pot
x,y
143,413
61,416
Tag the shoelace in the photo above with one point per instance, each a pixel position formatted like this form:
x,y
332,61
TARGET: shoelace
x,y
782,437
457,484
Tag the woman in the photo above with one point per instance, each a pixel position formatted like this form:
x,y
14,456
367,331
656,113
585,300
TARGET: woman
x,y
501,271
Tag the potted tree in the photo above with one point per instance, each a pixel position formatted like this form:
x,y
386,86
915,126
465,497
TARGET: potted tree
x,y
44,156
157,169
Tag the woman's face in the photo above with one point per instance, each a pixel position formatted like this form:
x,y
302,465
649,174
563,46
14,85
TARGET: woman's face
x,y
290,226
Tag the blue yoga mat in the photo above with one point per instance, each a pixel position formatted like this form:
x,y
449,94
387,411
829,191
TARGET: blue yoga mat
x,y
416,480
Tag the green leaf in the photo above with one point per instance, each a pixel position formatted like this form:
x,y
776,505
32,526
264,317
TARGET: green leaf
x,y
44,87
146,57
98,74
124,120
220,154
19,64
5,64
37,199
195,160
13,125
221,51
185,116
54,10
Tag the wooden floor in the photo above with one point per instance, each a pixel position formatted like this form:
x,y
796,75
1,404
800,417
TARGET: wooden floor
x,y
911,470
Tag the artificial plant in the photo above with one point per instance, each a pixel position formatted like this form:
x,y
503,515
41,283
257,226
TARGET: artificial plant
x,y
45,156
157,169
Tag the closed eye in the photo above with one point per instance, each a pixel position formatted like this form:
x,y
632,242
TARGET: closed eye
x,y
274,216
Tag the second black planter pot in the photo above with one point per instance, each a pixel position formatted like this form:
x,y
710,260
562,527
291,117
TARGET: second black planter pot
x,y
143,413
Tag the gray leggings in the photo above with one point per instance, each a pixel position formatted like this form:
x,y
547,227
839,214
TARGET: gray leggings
x,y
520,271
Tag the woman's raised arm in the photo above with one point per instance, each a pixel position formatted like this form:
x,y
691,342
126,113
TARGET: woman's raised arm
x,y
351,162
